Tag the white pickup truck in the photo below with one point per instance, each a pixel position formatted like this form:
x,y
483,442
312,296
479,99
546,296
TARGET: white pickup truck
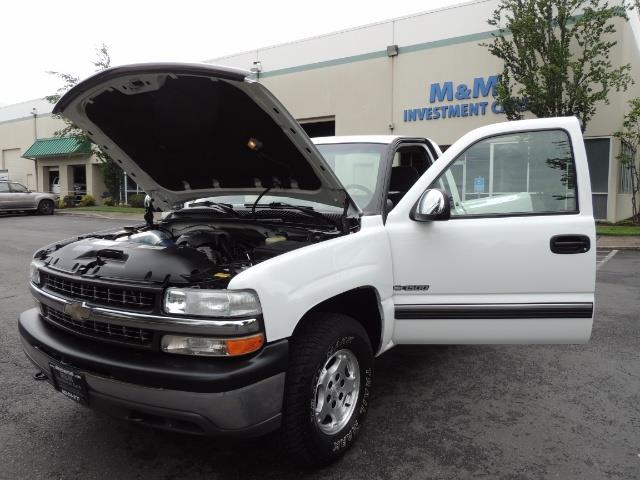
x,y
282,266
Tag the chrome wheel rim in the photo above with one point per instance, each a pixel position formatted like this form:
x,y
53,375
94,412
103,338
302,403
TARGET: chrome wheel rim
x,y
336,391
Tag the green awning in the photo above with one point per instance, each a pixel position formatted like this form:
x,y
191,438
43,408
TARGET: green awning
x,y
57,147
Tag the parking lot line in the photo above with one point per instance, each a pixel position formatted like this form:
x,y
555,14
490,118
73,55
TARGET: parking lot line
x,y
607,256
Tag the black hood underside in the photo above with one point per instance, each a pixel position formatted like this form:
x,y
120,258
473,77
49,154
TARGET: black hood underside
x,y
192,134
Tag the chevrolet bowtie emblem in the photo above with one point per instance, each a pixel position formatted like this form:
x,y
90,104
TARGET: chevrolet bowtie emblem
x,y
77,311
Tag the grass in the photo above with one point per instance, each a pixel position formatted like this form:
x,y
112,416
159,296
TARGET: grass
x,y
618,230
105,209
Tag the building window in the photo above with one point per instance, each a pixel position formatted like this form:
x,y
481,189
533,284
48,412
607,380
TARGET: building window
x,y
598,157
624,177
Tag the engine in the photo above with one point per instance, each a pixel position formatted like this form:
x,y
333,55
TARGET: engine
x,y
205,255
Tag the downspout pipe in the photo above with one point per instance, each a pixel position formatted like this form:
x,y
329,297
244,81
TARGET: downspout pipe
x,y
34,112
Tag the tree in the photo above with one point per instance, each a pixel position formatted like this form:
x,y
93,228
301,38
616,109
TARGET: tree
x,y
111,171
630,136
556,56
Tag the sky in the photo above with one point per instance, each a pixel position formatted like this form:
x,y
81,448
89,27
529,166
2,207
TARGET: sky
x,y
37,36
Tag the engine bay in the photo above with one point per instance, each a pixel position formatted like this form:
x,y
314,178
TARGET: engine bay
x,y
183,252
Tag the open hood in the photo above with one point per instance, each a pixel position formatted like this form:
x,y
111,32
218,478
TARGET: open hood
x,y
187,131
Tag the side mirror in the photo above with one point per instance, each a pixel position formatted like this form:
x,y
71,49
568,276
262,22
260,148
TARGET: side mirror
x,y
433,205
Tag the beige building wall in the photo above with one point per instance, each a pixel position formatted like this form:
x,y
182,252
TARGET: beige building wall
x,y
357,94
366,96
348,76
456,62
17,135
629,53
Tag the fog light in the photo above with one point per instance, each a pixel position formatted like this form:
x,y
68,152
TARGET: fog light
x,y
211,347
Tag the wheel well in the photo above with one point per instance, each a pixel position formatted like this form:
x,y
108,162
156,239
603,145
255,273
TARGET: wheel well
x,y
361,304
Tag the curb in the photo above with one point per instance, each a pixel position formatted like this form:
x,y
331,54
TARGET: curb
x,y
625,247
125,216
626,242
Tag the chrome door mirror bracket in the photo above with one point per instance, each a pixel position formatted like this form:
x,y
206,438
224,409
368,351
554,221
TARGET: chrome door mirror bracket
x,y
433,204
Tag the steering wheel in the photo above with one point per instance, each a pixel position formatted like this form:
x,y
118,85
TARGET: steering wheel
x,y
357,186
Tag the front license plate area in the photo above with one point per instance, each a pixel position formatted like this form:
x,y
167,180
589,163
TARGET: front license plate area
x,y
70,383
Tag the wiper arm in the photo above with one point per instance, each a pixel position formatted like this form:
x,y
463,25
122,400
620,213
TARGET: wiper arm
x,y
310,211
288,205
223,207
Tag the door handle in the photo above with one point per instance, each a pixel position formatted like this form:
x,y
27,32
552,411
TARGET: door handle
x,y
569,244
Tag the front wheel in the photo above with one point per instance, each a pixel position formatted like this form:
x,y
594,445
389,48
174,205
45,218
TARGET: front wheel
x,y
327,389
45,207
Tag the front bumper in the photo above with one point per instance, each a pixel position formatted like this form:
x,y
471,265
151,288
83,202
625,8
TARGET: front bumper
x,y
235,397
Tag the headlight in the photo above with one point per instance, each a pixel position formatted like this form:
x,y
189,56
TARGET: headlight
x,y
211,347
211,303
34,271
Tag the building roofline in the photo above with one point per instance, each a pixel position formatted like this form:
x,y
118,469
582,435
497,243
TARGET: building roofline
x,y
24,110
346,30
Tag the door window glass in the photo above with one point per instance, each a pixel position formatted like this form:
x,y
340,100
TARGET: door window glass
x,y
16,187
4,187
523,173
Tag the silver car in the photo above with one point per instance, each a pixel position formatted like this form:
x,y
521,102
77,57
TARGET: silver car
x,y
16,197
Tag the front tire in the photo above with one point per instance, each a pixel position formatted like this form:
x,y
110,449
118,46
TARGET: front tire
x,y
45,207
327,390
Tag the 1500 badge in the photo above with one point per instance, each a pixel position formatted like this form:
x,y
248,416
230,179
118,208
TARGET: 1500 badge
x,y
410,288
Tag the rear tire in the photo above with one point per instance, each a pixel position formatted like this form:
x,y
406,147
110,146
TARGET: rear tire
x,y
45,207
327,389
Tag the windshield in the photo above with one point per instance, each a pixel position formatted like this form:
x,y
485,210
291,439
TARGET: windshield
x,y
357,166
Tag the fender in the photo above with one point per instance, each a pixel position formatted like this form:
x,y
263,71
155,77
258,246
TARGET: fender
x,y
293,283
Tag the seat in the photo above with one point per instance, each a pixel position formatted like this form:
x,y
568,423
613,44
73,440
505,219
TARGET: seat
x,y
402,179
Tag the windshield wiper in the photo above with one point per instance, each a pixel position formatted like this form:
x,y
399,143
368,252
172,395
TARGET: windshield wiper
x,y
309,211
221,207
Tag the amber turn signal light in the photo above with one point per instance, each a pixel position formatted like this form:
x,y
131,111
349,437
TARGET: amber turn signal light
x,y
244,345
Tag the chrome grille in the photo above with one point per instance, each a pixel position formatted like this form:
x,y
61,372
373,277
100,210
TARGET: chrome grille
x,y
99,330
100,294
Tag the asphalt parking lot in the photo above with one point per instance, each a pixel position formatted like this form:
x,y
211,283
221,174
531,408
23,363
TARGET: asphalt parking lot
x,y
504,412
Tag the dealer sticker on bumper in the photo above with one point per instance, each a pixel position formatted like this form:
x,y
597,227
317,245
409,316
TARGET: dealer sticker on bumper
x,y
70,383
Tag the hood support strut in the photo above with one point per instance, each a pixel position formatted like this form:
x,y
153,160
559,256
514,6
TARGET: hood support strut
x,y
345,209
148,210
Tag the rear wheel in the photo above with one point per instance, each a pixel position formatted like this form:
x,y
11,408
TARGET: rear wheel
x,y
45,207
327,390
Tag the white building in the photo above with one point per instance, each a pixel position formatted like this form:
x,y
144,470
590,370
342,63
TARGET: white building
x,y
422,75
427,75
32,156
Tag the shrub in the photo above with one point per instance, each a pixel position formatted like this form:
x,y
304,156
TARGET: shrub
x,y
108,202
60,203
87,201
68,201
137,200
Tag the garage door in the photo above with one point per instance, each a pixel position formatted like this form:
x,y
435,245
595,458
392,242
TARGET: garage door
x,y
17,166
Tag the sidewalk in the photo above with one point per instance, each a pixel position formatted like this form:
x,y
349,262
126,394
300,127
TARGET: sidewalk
x,y
138,217
629,242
